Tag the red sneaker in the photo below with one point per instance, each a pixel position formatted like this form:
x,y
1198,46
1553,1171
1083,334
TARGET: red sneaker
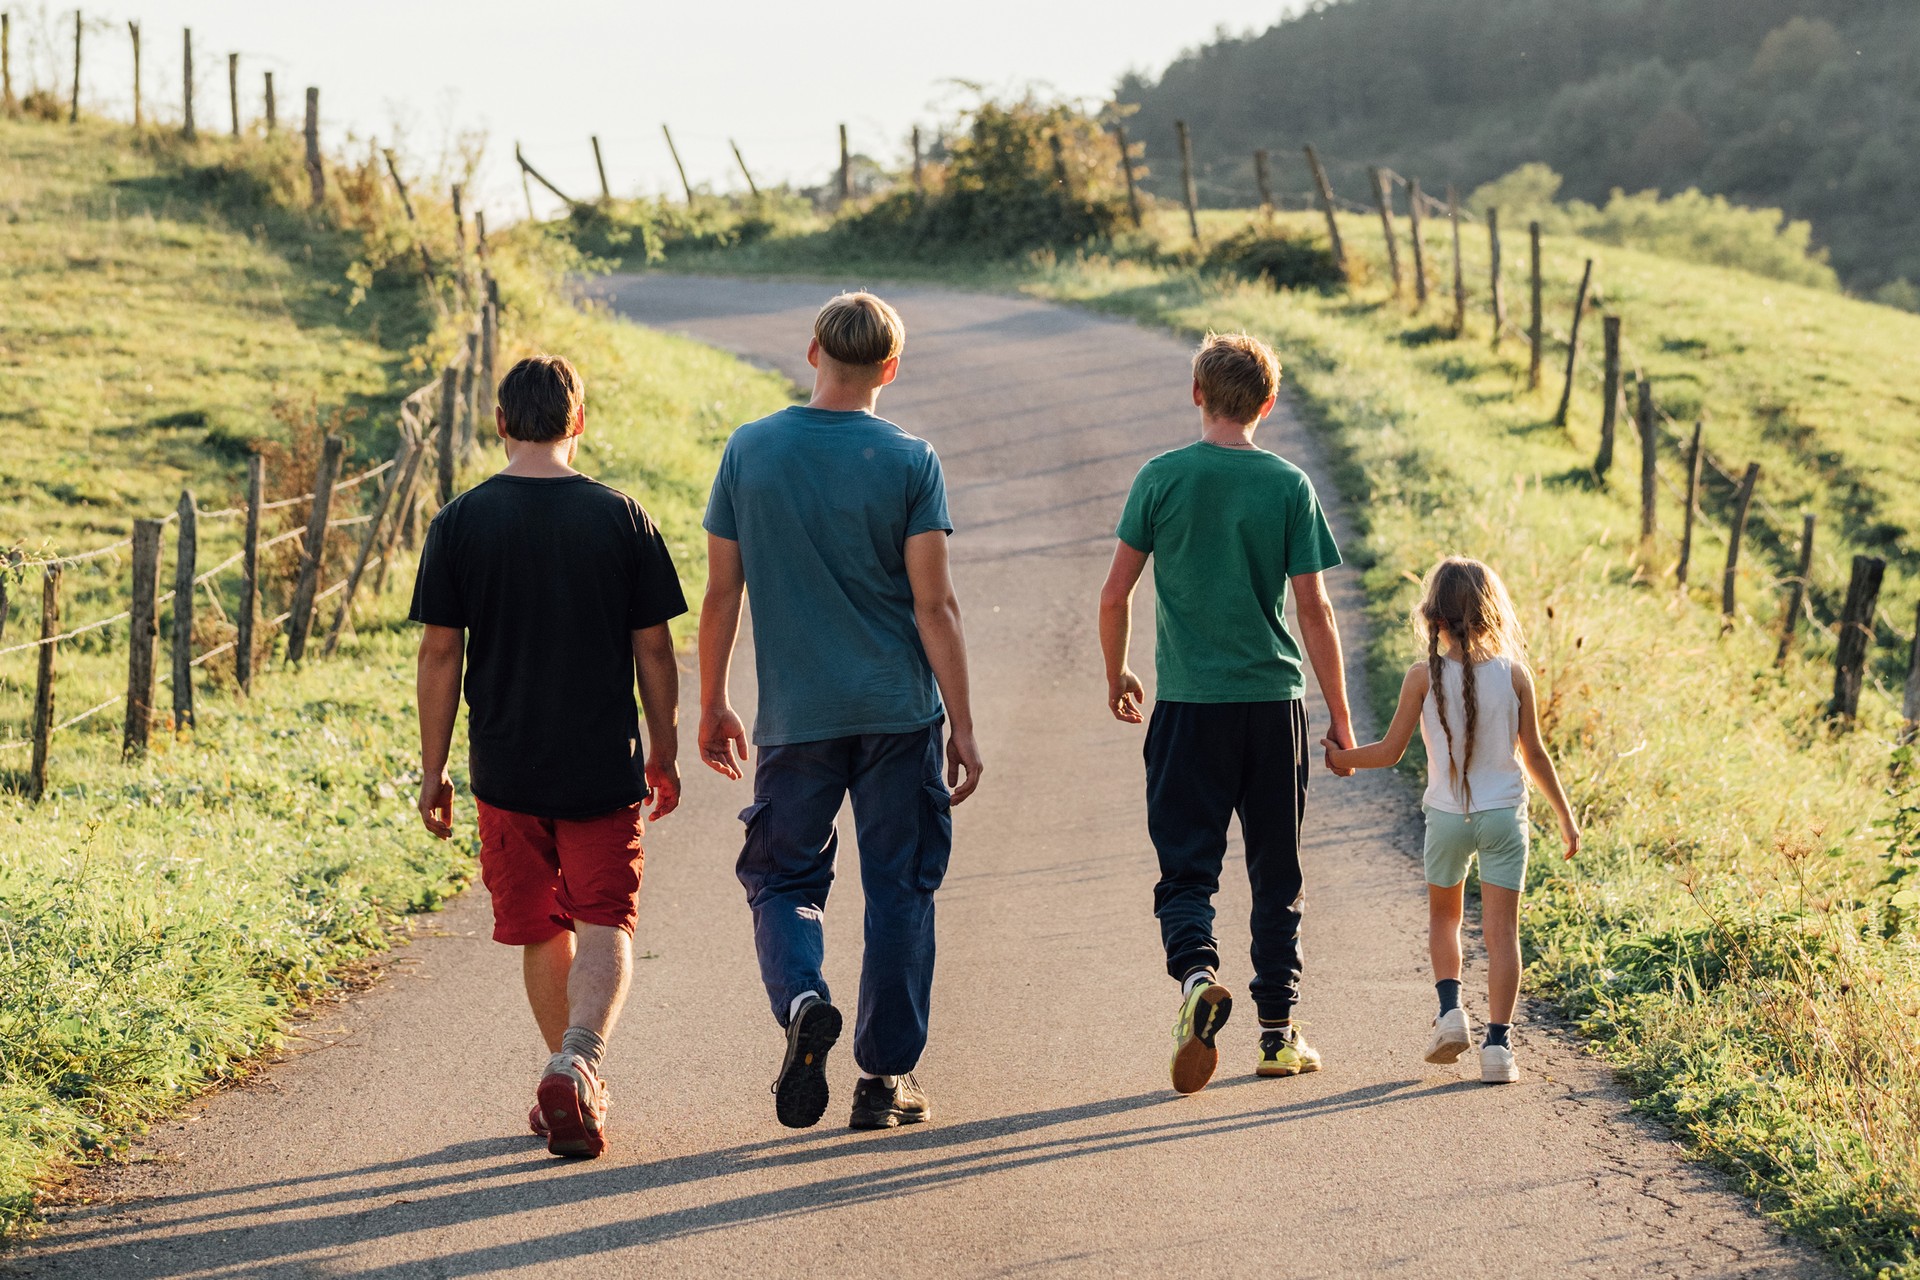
x,y
573,1103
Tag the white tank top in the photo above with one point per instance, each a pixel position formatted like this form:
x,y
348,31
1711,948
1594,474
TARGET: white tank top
x,y
1494,770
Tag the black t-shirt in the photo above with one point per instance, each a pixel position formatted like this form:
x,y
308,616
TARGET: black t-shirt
x,y
549,578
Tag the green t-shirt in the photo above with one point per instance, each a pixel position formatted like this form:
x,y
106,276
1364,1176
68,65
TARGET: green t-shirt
x,y
1226,529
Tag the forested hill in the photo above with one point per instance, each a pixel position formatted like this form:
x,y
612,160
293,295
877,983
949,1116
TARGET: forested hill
x,y
1812,106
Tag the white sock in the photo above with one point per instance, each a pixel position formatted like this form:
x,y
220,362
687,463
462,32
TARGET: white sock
x,y
1194,979
888,1081
793,1009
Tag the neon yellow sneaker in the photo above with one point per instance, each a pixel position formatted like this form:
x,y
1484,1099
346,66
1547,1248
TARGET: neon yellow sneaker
x,y
1202,1014
1286,1053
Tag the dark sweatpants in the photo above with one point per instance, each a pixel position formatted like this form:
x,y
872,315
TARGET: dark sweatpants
x,y
1205,763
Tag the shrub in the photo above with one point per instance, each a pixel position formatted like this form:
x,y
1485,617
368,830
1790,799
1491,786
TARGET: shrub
x,y
1280,259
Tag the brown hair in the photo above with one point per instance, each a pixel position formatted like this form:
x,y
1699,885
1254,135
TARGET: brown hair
x,y
1465,601
540,397
859,329
1237,374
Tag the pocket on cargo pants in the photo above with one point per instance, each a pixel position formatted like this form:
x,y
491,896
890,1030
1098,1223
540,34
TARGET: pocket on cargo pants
x,y
936,835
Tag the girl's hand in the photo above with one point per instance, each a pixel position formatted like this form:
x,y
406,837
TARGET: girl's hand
x,y
1335,754
1570,836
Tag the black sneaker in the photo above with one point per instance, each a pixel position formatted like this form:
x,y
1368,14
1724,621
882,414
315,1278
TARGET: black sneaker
x,y
875,1106
800,1094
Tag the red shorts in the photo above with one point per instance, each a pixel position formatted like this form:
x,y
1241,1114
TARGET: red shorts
x,y
546,873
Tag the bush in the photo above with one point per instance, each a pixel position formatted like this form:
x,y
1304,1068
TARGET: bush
x,y
1000,191
1280,259
639,232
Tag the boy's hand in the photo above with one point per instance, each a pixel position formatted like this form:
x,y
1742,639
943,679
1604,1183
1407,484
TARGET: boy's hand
x,y
663,779
963,753
1125,697
1339,738
723,741
1333,752
1570,836
436,804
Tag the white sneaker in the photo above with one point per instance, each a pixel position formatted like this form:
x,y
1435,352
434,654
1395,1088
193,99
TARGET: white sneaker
x,y
1497,1066
1452,1036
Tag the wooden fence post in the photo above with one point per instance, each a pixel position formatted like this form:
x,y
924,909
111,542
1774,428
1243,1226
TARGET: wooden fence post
x,y
846,168
1573,345
1264,180
1416,227
141,630
600,167
249,575
403,510
1186,179
1609,397
1910,704
43,682
1126,168
184,562
1459,264
79,25
469,410
186,123
1496,283
8,103
1536,332
139,113
316,175
1649,460
1856,635
1059,164
367,542
1691,508
1383,201
1325,190
1741,503
489,346
233,90
753,191
919,174
315,548
273,110
443,429
1797,589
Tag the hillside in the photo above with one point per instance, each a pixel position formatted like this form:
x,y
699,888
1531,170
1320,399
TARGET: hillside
x,y
1805,105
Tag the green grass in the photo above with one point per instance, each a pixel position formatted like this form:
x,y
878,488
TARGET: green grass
x,y
161,920
1738,937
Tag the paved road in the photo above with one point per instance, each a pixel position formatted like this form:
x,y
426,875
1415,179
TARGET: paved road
x,y
396,1151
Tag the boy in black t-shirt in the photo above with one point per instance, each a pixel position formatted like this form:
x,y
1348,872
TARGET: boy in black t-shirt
x,y
552,590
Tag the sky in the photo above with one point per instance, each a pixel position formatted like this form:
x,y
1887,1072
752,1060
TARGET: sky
x,y
778,78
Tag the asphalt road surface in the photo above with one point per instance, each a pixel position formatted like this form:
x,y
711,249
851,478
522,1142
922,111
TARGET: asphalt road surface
x,y
391,1142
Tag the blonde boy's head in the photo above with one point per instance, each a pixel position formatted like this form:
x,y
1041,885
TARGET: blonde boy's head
x,y
1236,375
859,330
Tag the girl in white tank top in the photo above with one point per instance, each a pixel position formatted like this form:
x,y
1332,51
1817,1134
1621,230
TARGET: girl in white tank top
x,y
1472,700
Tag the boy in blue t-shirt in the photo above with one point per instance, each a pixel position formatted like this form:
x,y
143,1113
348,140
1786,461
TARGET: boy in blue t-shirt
x,y
834,522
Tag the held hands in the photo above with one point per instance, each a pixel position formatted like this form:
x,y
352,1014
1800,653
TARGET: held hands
x,y
1339,746
1125,697
723,741
436,804
963,754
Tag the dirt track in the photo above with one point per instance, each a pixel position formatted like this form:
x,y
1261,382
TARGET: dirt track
x,y
1058,1148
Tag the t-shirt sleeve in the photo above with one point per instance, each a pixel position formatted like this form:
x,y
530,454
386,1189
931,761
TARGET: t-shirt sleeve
x,y
1310,545
1136,518
927,504
657,597
436,593
720,521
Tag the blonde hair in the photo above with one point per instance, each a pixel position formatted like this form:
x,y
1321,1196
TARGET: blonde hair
x,y
1465,601
1237,374
859,329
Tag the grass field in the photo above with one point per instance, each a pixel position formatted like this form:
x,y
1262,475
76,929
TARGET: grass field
x,y
160,920
1739,936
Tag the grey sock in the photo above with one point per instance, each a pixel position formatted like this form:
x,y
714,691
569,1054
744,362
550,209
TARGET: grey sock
x,y
1497,1033
585,1045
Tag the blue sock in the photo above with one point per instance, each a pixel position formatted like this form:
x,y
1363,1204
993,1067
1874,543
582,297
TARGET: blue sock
x,y
1449,989
1497,1034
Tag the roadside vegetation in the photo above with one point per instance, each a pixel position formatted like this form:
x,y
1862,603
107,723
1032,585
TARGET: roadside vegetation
x,y
1741,935
165,310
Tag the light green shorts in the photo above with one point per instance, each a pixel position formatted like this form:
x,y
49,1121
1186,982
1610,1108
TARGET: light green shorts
x,y
1499,837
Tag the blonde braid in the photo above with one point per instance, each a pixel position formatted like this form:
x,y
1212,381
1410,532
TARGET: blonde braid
x,y
1436,677
1472,702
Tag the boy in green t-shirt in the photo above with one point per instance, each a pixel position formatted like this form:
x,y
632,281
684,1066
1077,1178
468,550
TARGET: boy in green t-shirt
x,y
1229,526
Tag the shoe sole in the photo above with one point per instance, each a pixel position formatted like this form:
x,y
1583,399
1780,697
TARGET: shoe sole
x,y
1449,1051
567,1131
1195,1058
800,1094
1273,1073
1511,1077
893,1119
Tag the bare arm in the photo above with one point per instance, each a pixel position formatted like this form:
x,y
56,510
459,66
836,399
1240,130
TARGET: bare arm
x,y
1124,693
723,739
437,688
1320,634
1387,752
659,673
1539,765
936,611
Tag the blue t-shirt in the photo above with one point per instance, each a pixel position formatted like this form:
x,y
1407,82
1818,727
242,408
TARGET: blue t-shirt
x,y
822,503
